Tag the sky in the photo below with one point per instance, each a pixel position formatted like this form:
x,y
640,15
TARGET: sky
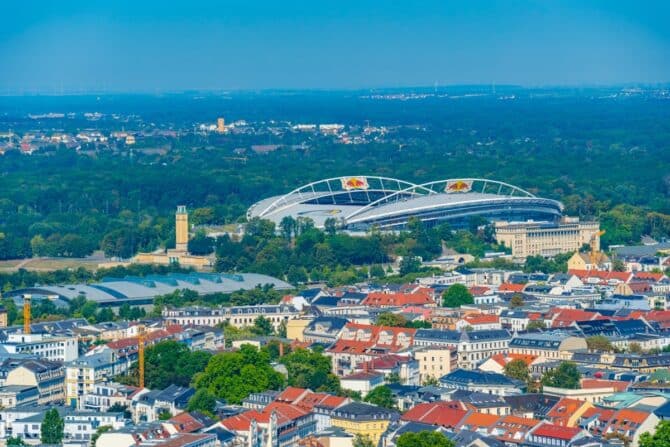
x,y
155,46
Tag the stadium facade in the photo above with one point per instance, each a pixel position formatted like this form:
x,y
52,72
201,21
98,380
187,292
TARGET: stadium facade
x,y
359,203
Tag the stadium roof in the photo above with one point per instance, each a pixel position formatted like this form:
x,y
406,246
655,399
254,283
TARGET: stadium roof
x,y
362,201
142,290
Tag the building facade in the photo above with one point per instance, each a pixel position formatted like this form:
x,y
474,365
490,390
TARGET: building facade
x,y
547,239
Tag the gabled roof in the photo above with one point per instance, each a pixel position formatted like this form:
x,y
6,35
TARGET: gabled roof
x,y
291,394
475,319
557,432
564,410
509,287
479,420
381,299
436,413
185,423
604,275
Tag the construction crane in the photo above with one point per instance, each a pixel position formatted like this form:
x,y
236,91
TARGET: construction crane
x,y
140,356
594,252
26,313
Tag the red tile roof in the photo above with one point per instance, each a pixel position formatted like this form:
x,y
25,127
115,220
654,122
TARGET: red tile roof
x,y
291,394
557,431
185,423
479,290
475,319
658,315
382,299
626,416
567,317
479,420
604,275
373,335
564,409
436,413
509,287
648,276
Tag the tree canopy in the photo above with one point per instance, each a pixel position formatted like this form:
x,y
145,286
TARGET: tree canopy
x,y
234,375
381,396
660,438
310,369
51,431
599,343
517,369
456,296
424,439
565,376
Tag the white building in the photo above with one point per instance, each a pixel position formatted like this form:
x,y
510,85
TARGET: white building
x,y
62,349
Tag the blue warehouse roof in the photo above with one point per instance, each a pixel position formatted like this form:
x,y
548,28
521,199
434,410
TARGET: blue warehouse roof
x,y
142,290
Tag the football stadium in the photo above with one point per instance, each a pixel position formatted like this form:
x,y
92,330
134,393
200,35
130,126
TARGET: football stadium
x,y
361,202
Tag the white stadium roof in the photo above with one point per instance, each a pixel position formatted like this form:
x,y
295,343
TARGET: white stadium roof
x,y
360,202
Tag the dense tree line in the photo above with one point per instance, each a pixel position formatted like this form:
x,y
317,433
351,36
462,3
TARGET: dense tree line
x,y
602,158
300,253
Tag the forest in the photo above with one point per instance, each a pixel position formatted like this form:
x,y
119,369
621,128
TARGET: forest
x,y
603,158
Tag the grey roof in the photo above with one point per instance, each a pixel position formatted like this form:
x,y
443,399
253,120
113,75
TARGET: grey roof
x,y
116,291
361,411
486,334
640,250
544,340
437,335
474,377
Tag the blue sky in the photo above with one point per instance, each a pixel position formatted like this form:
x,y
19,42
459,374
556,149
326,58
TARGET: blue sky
x,y
146,45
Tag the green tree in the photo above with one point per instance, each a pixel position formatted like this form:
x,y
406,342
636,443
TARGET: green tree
x,y
170,362
424,439
634,348
164,415
51,431
202,401
394,377
565,376
310,369
377,271
660,438
381,396
599,343
534,325
516,301
517,369
391,319
330,226
262,326
409,264
234,375
456,296
15,442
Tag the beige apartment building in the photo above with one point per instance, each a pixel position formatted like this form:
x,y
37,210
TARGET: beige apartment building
x,y
435,361
547,238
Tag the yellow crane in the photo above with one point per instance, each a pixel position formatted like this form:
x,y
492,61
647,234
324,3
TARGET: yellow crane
x,y
26,313
140,356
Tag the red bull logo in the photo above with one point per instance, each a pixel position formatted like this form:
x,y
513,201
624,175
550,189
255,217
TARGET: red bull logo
x,y
350,183
458,186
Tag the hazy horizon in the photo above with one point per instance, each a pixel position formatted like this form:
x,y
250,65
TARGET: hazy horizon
x,y
151,46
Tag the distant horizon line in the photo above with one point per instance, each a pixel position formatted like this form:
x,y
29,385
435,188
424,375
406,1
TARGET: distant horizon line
x,y
491,87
